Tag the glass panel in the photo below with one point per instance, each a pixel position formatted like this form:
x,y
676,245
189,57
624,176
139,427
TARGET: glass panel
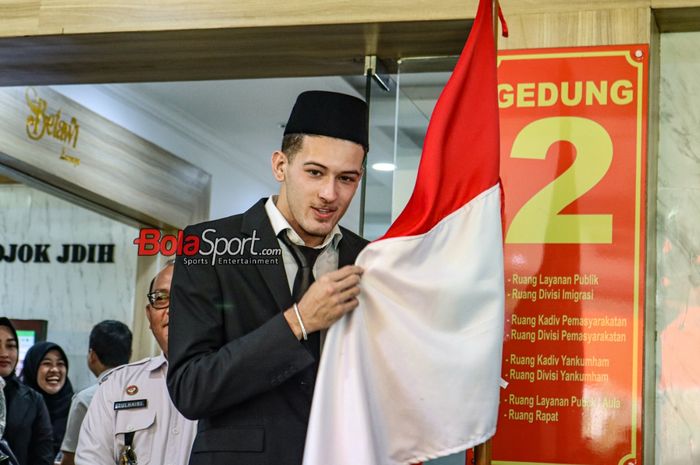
x,y
380,159
420,81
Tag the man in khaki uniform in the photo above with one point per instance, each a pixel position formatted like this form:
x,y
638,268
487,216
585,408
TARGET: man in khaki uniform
x,y
131,419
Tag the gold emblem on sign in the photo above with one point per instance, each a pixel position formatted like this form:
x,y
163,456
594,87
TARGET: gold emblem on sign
x,y
64,156
40,123
131,390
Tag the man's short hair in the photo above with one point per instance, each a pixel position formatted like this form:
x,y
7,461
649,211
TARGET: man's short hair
x,y
292,143
111,342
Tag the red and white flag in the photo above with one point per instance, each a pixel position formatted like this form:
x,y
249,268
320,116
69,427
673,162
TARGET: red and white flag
x,y
413,373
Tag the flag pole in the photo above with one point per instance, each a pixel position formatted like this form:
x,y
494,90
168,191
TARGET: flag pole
x,y
482,452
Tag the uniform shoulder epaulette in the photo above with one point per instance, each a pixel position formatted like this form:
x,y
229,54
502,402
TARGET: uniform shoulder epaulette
x,y
121,367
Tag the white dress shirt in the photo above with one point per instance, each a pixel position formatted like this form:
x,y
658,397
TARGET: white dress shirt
x,y
328,259
78,409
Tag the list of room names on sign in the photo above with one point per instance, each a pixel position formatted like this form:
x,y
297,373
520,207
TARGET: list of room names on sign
x,y
568,351
573,175
560,327
528,332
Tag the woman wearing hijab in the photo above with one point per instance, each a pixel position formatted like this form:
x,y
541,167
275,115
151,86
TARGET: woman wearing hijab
x,y
46,371
28,426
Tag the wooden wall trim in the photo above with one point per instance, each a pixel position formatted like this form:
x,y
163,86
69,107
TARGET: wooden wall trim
x,y
663,4
653,123
220,53
101,41
51,17
289,51
591,27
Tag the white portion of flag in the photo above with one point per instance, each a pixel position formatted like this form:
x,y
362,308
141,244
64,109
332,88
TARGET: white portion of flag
x,y
413,373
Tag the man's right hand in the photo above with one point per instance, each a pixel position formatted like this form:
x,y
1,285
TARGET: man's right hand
x,y
331,296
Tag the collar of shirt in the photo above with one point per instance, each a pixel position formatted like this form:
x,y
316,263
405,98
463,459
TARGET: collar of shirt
x,y
103,375
280,223
156,362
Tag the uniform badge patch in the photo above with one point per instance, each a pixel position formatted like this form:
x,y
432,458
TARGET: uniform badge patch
x,y
130,404
131,390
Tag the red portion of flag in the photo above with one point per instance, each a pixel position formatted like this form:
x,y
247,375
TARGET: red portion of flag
x,y
460,157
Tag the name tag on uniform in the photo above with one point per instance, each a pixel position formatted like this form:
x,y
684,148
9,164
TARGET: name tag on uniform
x,y
129,404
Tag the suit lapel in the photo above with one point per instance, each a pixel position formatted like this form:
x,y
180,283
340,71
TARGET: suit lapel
x,y
347,252
274,276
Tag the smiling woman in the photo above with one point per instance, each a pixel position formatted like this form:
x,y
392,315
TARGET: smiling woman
x,y
46,371
28,428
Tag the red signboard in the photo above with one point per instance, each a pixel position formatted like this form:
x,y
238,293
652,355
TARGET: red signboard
x,y
573,154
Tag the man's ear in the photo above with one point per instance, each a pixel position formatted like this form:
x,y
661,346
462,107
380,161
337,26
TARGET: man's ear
x,y
279,165
92,356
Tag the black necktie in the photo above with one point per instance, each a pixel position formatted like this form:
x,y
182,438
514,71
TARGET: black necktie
x,y
305,258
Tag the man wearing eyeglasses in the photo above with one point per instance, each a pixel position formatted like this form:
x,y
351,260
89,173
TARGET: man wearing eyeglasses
x,y
131,419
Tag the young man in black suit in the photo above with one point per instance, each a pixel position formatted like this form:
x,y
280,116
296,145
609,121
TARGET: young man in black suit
x,y
246,315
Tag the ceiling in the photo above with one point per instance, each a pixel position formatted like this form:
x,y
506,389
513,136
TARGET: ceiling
x,y
240,122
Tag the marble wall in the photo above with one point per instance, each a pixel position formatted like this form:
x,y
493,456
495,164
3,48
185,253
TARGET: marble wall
x,y
678,253
71,296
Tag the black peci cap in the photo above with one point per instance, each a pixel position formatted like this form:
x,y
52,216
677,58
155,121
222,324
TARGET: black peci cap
x,y
329,114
